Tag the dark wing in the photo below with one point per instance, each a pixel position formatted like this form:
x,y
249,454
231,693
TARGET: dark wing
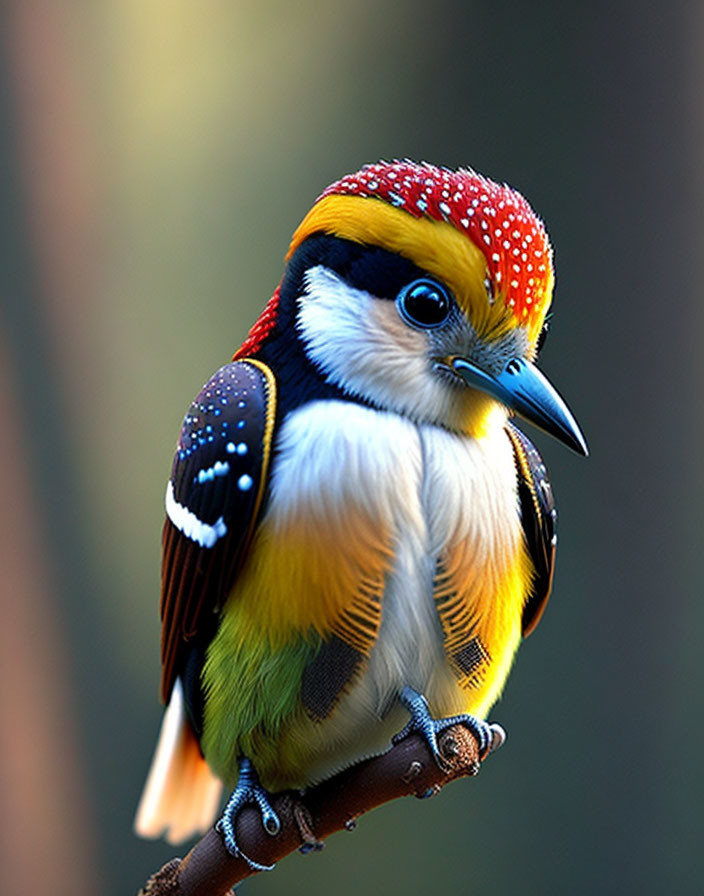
x,y
213,499
539,519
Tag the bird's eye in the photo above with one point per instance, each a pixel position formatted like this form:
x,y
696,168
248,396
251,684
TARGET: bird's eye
x,y
424,303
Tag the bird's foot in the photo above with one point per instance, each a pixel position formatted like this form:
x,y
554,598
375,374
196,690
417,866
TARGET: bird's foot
x,y
489,736
247,791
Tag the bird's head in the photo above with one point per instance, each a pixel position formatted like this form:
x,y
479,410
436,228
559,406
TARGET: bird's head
x,y
425,291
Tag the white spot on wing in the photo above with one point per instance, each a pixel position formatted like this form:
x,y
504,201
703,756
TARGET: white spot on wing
x,y
219,468
244,483
188,523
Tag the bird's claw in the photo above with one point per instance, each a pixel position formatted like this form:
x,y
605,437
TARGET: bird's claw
x,y
489,736
247,791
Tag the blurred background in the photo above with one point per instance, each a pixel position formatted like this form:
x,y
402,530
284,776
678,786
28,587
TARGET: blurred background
x,y
155,156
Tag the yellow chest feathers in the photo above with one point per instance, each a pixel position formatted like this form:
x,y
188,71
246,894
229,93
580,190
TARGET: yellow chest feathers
x,y
402,540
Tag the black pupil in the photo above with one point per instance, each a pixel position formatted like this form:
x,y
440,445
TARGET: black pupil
x,y
425,304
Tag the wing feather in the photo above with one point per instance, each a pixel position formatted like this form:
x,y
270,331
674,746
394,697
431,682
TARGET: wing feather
x,y
539,519
214,496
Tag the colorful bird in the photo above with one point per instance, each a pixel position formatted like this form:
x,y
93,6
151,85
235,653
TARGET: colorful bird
x,y
355,530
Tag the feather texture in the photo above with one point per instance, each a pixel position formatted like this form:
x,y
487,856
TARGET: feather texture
x,y
356,490
213,498
181,795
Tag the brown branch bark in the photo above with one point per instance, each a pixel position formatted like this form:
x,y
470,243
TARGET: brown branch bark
x,y
408,768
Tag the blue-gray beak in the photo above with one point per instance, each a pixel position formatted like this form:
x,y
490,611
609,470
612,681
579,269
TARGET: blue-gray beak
x,y
523,388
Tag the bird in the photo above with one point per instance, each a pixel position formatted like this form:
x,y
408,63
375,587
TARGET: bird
x,y
358,535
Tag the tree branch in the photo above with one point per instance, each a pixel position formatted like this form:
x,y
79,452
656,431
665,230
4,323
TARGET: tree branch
x,y
408,768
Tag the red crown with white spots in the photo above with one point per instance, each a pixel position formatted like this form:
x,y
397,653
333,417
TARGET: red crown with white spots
x,y
496,218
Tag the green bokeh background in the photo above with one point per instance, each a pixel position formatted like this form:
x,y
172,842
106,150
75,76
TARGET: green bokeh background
x,y
151,188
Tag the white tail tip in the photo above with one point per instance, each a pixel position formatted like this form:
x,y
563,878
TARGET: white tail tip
x,y
181,796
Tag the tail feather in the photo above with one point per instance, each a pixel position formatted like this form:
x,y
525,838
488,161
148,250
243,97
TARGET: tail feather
x,y
181,796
